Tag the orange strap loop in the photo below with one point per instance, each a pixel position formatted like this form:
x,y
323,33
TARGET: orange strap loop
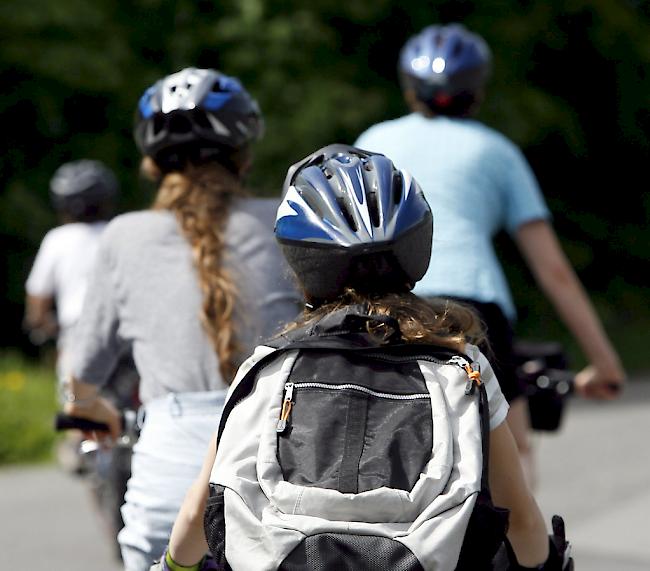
x,y
474,375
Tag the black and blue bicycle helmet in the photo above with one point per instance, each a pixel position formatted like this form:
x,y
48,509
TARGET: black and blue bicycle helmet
x,y
84,190
350,218
445,63
196,109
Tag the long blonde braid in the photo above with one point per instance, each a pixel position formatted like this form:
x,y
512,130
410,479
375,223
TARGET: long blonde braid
x,y
201,197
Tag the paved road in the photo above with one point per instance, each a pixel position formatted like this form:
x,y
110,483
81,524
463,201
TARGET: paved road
x,y
47,522
596,473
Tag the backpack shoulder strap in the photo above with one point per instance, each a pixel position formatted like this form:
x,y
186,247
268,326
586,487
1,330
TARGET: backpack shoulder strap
x,y
244,387
484,411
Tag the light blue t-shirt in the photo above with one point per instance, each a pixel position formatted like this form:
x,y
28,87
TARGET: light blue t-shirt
x,y
477,182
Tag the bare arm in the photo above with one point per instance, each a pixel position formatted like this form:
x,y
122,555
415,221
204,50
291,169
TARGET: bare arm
x,y
527,532
187,544
39,317
544,255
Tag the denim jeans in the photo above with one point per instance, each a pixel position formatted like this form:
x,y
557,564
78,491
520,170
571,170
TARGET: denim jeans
x,y
166,459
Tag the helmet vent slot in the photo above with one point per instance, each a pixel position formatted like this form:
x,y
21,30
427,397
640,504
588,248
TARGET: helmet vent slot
x,y
398,183
199,117
159,123
373,209
180,124
346,213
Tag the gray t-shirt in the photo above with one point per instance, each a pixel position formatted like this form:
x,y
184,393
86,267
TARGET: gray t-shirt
x,y
144,294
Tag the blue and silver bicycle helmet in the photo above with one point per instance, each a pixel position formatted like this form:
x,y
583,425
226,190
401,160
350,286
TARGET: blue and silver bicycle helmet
x,y
444,63
196,108
350,218
84,190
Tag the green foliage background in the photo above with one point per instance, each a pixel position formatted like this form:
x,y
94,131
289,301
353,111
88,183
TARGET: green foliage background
x,y
570,86
29,404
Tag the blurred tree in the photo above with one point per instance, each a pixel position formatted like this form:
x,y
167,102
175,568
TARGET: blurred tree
x,y
569,85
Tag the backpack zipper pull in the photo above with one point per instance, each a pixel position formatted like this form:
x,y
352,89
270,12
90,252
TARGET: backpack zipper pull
x,y
474,374
287,404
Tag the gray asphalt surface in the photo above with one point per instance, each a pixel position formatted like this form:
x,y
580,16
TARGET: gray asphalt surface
x,y
595,472
47,521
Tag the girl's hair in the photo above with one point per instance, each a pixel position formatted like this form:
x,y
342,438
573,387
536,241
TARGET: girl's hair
x,y
432,321
200,195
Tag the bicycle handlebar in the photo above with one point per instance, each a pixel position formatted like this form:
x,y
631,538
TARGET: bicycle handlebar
x,y
130,424
561,380
64,421
543,369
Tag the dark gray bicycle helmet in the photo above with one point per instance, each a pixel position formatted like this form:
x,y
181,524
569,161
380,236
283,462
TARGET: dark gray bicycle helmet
x,y
196,109
350,218
84,190
445,66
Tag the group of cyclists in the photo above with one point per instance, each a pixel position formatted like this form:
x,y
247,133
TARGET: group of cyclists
x,y
191,286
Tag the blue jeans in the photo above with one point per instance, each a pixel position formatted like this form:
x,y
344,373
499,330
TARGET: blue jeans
x,y
166,460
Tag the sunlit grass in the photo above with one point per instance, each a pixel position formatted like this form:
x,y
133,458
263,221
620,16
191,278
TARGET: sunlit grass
x,y
27,408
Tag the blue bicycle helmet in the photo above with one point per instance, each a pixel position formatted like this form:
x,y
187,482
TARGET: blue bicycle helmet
x,y
445,63
350,218
196,109
84,190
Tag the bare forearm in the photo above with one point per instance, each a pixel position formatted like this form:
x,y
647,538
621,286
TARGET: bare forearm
x,y
529,538
526,532
187,544
561,285
39,316
572,304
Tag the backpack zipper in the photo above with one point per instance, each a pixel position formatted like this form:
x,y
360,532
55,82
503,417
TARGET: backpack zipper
x,y
361,388
287,404
473,371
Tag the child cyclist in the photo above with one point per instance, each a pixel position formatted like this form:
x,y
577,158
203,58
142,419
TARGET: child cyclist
x,y
479,184
83,194
189,285
357,233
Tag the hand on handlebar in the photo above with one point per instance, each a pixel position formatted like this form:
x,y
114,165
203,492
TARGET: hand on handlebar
x,y
594,383
99,410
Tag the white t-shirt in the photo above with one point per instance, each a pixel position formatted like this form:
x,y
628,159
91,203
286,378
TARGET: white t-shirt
x,y
62,267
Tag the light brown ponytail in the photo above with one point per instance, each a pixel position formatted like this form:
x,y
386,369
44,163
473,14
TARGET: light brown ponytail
x,y
435,321
200,197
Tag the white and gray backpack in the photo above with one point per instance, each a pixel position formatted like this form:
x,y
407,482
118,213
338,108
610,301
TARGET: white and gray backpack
x,y
337,452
